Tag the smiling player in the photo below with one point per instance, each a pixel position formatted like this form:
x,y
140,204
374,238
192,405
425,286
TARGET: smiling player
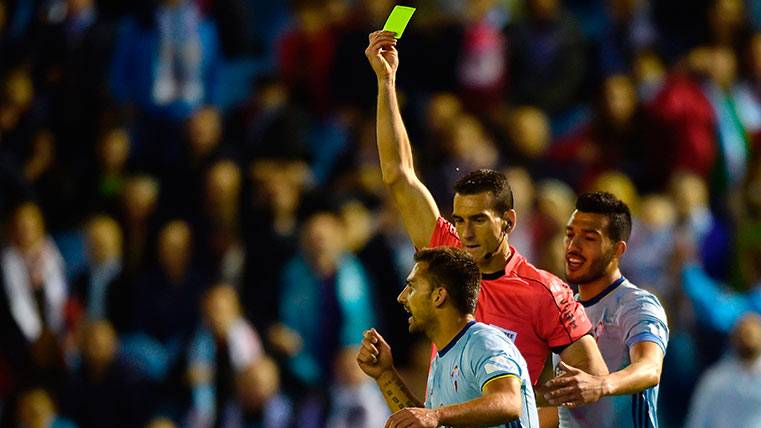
x,y
629,324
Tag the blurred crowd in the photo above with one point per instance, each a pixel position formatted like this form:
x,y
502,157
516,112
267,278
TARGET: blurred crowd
x,y
197,233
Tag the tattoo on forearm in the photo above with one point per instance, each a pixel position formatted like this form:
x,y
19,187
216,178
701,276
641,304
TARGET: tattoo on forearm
x,y
397,394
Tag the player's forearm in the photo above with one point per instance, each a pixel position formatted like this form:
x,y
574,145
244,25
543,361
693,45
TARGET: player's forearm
x,y
585,355
636,377
492,409
395,391
393,142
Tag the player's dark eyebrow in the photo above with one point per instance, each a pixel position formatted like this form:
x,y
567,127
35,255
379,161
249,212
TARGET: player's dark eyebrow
x,y
594,231
569,228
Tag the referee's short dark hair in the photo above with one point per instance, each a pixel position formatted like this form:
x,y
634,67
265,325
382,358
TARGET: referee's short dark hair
x,y
456,271
619,216
487,180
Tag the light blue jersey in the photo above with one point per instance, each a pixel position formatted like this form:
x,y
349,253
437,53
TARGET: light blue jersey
x,y
479,354
621,316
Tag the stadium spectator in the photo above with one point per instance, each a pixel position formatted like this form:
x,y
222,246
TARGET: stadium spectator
x,y
139,201
221,250
165,310
109,177
219,352
35,297
270,231
260,400
547,59
103,391
102,290
325,305
306,54
527,139
71,56
200,145
649,261
616,137
728,393
165,60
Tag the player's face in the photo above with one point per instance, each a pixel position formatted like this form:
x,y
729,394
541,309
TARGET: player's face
x,y
417,299
589,252
478,225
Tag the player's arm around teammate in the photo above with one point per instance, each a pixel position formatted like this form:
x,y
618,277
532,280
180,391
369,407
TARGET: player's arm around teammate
x,y
500,402
577,387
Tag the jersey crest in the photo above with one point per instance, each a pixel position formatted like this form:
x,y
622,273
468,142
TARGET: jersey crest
x,y
455,376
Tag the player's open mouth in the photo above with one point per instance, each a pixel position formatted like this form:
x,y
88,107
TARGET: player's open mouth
x,y
574,262
406,309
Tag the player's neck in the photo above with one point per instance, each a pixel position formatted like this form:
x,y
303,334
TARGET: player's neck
x,y
498,261
592,289
448,327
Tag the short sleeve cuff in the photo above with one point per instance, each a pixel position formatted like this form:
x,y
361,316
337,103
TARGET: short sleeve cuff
x,y
646,337
499,376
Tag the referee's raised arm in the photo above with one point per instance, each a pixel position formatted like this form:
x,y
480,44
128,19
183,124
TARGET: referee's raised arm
x,y
415,203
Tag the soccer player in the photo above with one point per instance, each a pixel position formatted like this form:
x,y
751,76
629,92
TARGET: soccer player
x,y
629,324
478,377
532,307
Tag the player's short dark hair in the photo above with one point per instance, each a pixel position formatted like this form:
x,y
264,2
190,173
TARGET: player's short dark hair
x,y
619,216
487,180
456,271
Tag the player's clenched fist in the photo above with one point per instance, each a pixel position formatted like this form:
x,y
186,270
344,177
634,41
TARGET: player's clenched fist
x,y
382,54
374,356
414,417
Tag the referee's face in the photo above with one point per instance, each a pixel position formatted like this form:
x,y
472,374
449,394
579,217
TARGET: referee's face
x,y
589,252
480,227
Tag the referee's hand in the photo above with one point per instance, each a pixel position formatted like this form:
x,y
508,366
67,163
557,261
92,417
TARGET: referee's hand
x,y
374,356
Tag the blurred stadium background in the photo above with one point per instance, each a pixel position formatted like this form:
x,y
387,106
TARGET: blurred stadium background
x,y
195,228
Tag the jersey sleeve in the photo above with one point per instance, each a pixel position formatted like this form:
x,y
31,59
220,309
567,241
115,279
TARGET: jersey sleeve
x,y
444,235
561,320
644,320
492,357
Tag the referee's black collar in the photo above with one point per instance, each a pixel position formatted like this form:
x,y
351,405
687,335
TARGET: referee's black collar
x,y
603,293
502,272
456,338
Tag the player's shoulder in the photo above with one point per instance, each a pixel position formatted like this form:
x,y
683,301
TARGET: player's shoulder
x,y
629,294
485,336
632,301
